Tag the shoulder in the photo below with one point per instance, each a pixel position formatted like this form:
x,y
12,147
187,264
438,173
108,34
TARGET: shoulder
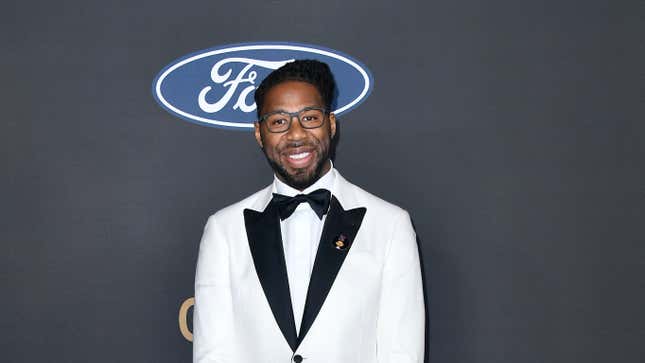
x,y
384,222
354,196
234,213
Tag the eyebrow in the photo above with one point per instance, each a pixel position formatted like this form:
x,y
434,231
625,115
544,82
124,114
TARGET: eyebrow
x,y
280,110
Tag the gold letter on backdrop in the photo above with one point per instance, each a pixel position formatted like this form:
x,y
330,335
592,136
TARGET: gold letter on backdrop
x,y
183,318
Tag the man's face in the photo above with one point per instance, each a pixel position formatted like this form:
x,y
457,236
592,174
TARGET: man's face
x,y
298,156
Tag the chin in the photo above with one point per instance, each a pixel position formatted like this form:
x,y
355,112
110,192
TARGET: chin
x,y
300,181
300,178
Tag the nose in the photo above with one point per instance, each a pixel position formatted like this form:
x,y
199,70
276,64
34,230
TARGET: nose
x,y
296,131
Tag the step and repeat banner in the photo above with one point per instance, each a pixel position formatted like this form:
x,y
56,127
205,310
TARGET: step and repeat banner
x,y
511,132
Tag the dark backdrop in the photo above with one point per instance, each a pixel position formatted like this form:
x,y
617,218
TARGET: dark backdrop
x,y
511,130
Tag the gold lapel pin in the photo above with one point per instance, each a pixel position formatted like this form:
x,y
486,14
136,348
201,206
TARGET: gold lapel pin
x,y
341,242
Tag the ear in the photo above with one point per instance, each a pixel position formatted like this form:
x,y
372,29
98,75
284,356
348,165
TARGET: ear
x,y
332,124
258,135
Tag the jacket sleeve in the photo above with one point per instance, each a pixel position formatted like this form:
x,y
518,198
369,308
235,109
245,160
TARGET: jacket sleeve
x,y
212,314
401,317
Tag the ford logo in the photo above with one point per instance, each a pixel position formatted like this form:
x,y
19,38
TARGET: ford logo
x,y
214,87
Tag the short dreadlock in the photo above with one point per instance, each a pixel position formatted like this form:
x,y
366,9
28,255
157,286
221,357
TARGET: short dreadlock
x,y
311,71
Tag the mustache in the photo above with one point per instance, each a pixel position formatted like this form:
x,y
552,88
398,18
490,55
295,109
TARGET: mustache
x,y
296,144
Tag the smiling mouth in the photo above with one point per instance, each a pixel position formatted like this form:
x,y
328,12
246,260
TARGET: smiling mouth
x,y
300,159
299,156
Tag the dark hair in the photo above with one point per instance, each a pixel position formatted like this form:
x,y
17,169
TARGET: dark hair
x,y
311,71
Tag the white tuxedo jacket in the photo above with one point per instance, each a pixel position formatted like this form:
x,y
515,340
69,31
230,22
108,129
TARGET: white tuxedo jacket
x,y
364,303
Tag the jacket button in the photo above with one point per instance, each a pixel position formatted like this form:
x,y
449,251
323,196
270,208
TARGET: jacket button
x,y
297,358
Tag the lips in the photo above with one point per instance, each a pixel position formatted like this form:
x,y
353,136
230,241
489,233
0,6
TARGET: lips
x,y
299,158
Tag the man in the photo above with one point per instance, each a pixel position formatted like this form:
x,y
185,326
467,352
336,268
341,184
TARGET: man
x,y
312,268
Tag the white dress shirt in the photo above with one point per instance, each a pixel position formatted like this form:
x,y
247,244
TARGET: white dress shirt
x,y
300,237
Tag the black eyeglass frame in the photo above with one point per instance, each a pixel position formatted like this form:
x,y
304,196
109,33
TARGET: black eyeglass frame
x,y
296,114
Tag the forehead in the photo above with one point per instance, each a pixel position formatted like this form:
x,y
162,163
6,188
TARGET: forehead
x,y
291,96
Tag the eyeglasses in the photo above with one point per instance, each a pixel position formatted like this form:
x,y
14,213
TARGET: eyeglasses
x,y
280,121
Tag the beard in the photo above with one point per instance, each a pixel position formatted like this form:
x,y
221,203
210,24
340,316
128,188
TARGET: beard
x,y
301,178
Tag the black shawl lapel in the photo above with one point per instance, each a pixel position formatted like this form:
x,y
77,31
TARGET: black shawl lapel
x,y
329,259
265,241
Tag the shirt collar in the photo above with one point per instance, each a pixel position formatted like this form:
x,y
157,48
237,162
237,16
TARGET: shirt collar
x,y
324,182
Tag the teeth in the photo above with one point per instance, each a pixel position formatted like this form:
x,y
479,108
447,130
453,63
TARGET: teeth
x,y
299,156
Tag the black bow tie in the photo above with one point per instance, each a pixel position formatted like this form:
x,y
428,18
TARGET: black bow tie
x,y
318,200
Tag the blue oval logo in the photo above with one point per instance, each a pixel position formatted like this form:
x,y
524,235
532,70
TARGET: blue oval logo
x,y
214,87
